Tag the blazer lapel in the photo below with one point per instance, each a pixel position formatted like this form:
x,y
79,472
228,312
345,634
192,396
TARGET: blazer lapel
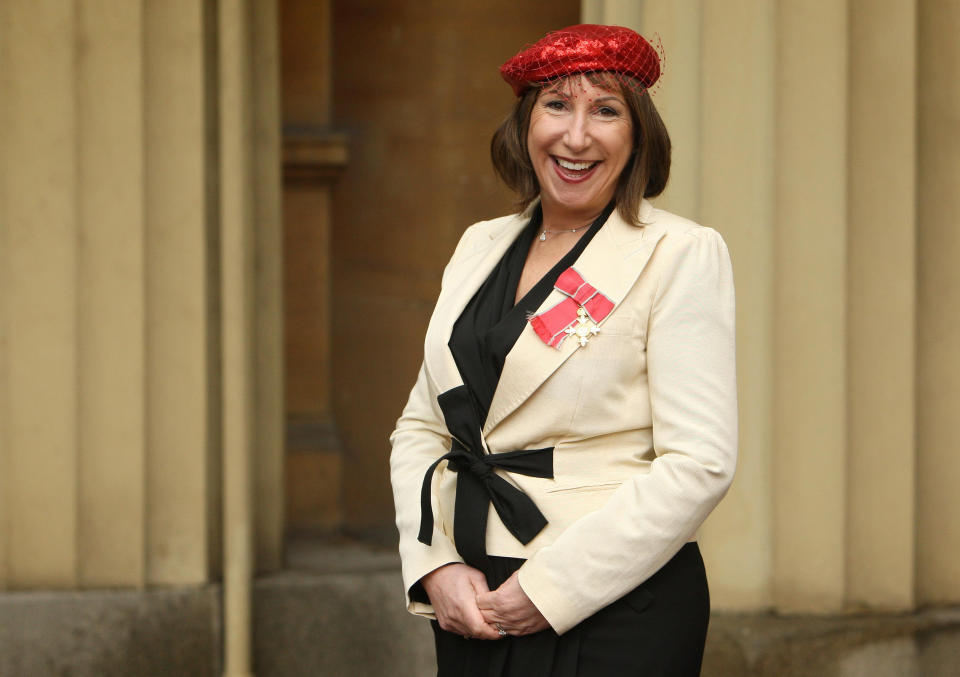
x,y
612,262
486,248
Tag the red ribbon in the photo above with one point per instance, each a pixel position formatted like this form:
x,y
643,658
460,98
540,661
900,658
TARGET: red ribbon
x,y
550,324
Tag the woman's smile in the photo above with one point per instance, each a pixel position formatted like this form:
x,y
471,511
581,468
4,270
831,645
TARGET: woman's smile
x,y
570,170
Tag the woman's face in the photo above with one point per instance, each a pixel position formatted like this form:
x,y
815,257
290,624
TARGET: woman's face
x,y
579,141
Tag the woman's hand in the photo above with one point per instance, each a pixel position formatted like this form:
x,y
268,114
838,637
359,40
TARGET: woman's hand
x,y
453,590
508,607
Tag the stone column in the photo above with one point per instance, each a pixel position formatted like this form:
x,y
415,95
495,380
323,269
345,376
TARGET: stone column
x,y
40,227
250,288
236,289
111,288
809,321
267,244
938,303
881,305
677,27
110,317
736,196
183,430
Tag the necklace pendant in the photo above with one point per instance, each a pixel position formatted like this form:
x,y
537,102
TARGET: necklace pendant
x,y
543,235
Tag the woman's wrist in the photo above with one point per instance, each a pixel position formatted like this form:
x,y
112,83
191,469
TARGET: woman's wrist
x,y
428,580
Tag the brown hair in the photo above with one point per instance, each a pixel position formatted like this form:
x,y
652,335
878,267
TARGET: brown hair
x,y
645,174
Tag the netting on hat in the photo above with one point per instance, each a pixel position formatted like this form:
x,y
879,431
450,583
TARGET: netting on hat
x,y
586,48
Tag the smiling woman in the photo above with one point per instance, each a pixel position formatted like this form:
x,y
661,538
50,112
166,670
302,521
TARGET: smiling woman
x,y
600,455
579,140
648,163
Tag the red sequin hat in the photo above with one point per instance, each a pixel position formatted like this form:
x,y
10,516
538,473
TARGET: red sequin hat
x,y
582,49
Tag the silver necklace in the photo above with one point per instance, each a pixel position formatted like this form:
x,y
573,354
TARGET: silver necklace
x,y
544,231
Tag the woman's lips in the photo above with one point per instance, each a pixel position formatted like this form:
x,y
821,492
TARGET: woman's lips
x,y
574,171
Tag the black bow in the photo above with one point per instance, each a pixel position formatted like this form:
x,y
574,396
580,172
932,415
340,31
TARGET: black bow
x,y
478,485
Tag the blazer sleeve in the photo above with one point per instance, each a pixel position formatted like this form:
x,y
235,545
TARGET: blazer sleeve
x,y
692,384
420,437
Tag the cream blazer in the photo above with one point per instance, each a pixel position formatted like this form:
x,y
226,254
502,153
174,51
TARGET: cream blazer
x,y
643,419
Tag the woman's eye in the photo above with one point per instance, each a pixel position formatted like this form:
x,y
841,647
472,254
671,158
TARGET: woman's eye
x,y
607,111
556,104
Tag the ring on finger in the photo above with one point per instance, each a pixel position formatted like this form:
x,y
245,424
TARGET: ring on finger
x,y
500,630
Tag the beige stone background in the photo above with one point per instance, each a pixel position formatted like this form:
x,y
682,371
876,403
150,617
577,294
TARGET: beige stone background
x,y
222,227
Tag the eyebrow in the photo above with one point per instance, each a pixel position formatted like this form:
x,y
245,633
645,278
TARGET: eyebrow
x,y
611,97
555,90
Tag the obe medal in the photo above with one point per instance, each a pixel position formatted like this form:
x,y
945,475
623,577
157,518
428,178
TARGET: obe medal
x,y
583,328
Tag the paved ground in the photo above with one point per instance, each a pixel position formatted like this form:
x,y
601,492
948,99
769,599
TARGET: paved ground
x,y
338,610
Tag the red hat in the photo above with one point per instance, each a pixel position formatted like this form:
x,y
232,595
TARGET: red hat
x,y
582,49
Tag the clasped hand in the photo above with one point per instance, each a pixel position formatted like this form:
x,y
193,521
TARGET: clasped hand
x,y
465,605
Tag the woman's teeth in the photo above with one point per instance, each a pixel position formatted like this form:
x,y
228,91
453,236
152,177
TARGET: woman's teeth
x,y
574,166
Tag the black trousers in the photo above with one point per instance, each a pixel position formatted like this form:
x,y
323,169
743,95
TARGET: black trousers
x,y
656,630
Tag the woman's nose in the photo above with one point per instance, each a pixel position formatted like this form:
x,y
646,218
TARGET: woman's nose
x,y
577,135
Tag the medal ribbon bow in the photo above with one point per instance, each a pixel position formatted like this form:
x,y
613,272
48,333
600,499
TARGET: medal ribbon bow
x,y
478,485
551,323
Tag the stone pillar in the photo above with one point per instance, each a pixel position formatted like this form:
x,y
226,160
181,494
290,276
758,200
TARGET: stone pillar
x,y
938,303
677,97
110,318
614,12
40,228
736,196
809,322
881,305
183,407
250,287
237,293
267,245
111,288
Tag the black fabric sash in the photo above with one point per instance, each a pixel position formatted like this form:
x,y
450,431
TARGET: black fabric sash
x,y
478,485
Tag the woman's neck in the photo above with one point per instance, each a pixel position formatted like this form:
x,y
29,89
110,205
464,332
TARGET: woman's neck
x,y
565,219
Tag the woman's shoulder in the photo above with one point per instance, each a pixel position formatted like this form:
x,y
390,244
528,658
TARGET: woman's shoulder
x,y
685,245
482,232
679,227
480,235
495,226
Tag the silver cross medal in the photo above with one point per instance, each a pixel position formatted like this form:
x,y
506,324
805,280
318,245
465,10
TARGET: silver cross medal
x,y
584,327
